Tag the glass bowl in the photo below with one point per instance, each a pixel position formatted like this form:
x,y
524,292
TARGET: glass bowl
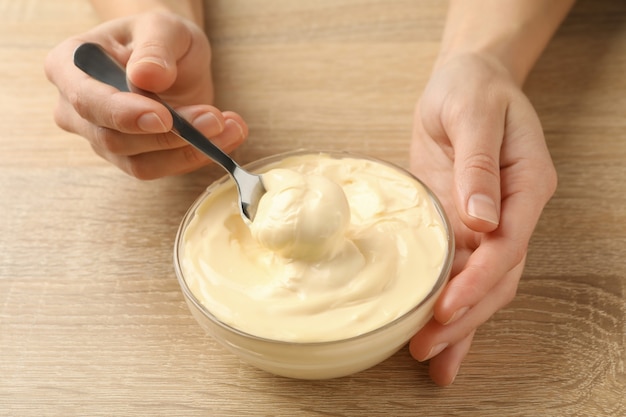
x,y
314,360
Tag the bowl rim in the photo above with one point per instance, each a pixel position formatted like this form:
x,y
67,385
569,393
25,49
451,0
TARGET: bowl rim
x,y
264,161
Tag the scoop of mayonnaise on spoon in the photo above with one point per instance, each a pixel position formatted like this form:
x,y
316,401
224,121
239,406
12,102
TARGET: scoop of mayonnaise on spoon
x,y
301,216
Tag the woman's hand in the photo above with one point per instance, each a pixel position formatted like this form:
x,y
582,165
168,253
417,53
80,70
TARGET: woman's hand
x,y
163,53
479,145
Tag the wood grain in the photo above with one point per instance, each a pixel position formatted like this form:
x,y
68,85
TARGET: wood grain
x,y
92,321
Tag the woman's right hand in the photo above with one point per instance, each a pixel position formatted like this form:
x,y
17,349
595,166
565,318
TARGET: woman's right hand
x,y
162,53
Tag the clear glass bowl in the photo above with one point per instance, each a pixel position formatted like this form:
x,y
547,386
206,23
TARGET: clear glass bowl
x,y
316,360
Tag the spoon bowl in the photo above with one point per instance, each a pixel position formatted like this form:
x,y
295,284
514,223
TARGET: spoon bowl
x,y
96,62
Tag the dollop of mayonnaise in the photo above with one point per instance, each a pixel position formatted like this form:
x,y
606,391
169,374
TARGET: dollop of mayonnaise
x,y
301,216
338,247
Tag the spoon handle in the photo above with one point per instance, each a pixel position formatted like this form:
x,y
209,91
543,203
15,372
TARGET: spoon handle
x,y
95,61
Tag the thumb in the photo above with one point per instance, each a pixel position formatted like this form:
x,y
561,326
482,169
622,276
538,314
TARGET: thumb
x,y
477,147
159,40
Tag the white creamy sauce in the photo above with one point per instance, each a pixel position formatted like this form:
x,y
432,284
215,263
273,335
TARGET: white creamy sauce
x,y
301,216
339,247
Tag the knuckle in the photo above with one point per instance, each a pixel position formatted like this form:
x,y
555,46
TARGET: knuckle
x,y
107,139
102,154
509,293
79,105
117,116
551,180
165,140
105,112
193,157
453,110
483,162
472,285
137,168
510,285
60,117
48,66
517,251
544,179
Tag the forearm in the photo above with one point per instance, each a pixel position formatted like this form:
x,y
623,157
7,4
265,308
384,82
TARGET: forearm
x,y
515,32
189,9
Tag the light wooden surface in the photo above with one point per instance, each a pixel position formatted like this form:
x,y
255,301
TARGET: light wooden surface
x,y
92,321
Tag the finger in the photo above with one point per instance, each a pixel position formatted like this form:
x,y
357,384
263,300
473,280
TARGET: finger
x,y
180,160
444,367
109,109
234,133
499,251
159,41
434,337
105,106
99,103
498,254
499,296
207,119
476,132
241,124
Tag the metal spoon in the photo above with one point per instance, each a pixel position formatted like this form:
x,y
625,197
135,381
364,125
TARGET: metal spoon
x,y
96,62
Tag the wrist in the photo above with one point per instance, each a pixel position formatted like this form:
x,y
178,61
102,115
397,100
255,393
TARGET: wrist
x,y
490,59
513,33
503,49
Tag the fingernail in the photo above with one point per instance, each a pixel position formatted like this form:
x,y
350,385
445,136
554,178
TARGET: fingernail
x,y
151,123
483,207
456,373
208,123
436,350
457,315
233,125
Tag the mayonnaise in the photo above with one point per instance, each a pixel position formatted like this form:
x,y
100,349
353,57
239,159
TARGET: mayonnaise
x,y
338,247
301,216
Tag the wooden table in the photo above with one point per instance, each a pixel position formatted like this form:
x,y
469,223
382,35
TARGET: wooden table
x,y
92,321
